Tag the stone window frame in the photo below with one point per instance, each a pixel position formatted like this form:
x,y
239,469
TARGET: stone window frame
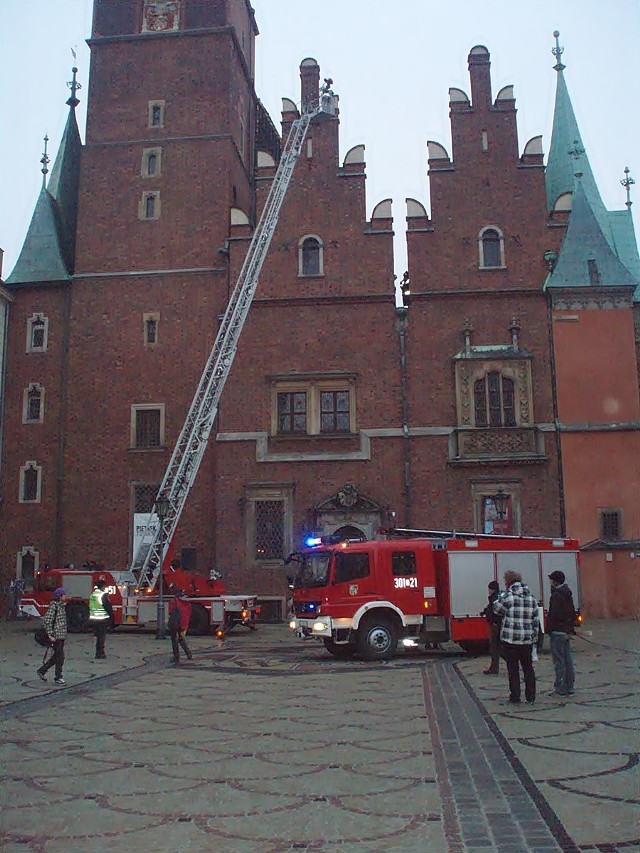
x,y
146,407
469,370
482,489
482,235
143,209
147,154
606,515
301,256
147,318
313,386
151,112
255,493
33,386
37,318
30,465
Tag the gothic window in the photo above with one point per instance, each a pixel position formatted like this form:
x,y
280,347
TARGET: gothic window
x,y
292,412
150,205
147,426
27,565
30,483
310,256
313,406
491,248
37,333
150,322
494,401
269,539
33,404
334,411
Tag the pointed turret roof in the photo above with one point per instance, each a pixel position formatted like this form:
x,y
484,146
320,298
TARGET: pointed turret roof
x,y
586,259
599,246
48,251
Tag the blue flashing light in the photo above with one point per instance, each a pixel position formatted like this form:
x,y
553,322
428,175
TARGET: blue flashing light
x,y
310,541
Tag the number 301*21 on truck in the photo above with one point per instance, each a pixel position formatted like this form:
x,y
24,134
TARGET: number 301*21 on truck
x,y
416,588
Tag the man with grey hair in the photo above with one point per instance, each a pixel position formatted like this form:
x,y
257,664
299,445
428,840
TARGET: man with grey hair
x,y
518,633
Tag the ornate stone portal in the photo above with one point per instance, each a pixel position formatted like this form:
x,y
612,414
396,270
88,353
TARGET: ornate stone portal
x,y
346,511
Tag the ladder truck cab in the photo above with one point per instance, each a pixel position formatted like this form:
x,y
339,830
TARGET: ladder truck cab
x,y
415,588
211,608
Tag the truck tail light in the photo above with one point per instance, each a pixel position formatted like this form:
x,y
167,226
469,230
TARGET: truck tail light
x,y
245,614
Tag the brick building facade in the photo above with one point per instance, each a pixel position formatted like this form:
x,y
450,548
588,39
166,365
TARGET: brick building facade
x,y
344,410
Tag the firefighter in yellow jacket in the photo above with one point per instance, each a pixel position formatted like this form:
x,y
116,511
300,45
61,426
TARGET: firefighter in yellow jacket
x,y
100,616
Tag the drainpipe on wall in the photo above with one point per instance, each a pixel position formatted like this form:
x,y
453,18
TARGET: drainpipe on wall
x,y
58,557
401,326
554,393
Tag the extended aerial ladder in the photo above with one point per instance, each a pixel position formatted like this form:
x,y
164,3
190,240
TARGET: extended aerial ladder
x,y
192,442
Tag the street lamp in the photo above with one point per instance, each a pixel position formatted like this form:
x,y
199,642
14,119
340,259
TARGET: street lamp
x,y
162,510
500,503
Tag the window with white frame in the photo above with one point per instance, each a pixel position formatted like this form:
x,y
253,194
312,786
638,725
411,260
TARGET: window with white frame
x,y
149,205
313,406
310,256
147,426
30,483
33,404
151,162
37,333
491,248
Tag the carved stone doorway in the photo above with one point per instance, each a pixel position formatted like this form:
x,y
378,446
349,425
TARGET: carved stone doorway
x,y
347,513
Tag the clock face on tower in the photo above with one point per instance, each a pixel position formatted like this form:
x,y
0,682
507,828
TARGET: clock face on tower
x,y
160,15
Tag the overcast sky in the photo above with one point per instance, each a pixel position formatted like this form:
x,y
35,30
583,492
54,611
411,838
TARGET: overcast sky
x,y
392,64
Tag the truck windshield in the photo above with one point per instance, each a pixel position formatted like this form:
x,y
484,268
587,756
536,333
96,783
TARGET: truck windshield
x,y
314,570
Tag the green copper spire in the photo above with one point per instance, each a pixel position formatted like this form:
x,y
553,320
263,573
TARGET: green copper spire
x,y
567,155
48,252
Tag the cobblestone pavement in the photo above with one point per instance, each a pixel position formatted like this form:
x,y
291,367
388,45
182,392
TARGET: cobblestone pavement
x,y
264,745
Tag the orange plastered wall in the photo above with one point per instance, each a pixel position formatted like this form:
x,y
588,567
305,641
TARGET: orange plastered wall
x,y
596,371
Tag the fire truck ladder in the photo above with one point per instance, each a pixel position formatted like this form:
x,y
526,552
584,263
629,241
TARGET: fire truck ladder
x,y
191,445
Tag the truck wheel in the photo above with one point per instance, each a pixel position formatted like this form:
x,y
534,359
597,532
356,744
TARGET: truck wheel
x,y
199,621
340,650
77,617
376,638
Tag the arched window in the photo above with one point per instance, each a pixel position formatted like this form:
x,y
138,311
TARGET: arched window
x,y
33,404
491,248
30,483
310,256
494,401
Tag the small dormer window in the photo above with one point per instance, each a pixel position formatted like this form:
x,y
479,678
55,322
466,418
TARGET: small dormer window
x,y
491,248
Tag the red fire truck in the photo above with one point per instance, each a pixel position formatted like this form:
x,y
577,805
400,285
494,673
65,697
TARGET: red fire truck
x,y
211,608
415,587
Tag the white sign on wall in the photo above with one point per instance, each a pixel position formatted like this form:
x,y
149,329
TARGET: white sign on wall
x,y
145,527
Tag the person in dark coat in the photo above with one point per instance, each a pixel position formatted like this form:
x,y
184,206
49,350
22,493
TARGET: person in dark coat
x,y
494,629
179,615
560,627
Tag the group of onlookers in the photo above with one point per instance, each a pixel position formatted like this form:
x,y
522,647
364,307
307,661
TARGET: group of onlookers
x,y
514,626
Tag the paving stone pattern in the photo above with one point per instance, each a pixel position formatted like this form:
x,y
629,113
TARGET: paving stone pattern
x,y
262,745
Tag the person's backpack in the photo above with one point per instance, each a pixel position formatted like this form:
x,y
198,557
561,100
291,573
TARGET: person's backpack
x,y
42,638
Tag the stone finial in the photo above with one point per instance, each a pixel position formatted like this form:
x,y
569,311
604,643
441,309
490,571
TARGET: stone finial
x,y
514,328
466,333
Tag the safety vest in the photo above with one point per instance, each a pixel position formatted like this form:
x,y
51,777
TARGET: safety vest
x,y
97,613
